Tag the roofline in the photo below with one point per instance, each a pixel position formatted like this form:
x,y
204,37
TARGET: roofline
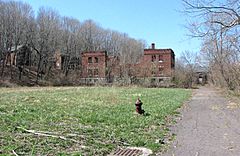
x,y
90,52
167,49
152,51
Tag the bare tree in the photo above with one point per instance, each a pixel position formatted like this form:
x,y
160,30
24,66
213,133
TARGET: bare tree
x,y
217,23
15,19
186,68
22,16
46,40
223,57
2,34
91,35
6,33
70,42
48,33
225,14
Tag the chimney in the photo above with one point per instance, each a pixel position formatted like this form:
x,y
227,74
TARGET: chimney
x,y
153,45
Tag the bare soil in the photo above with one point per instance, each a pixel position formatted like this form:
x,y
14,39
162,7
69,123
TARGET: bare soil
x,y
209,126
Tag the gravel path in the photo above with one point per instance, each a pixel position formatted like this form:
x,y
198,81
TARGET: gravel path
x,y
210,126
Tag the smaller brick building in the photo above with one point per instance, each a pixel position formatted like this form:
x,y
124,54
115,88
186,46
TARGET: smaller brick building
x,y
19,56
94,65
156,66
161,62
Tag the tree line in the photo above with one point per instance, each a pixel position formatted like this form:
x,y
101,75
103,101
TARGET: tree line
x,y
48,32
217,24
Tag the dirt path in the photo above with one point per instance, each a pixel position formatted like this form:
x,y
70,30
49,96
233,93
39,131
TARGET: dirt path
x,y
210,126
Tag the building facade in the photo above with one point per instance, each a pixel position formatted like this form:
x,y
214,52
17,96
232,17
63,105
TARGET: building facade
x,y
94,65
156,65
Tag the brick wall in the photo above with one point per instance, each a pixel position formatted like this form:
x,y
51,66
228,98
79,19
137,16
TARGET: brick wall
x,y
94,64
156,63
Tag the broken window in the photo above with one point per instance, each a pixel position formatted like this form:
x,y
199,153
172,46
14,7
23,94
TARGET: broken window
x,y
90,60
160,80
160,58
160,70
95,72
153,58
153,80
90,72
153,72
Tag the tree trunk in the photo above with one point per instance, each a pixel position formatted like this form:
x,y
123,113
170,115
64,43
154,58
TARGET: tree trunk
x,y
20,72
11,75
38,69
3,65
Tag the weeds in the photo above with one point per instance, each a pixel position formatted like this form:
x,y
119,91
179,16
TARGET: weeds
x,y
84,120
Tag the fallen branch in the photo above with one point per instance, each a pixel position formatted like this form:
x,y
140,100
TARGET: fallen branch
x,y
14,153
48,134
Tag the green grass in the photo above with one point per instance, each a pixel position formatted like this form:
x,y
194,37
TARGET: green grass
x,y
99,118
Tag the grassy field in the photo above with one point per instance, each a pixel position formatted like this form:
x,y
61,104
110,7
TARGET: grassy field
x,y
84,120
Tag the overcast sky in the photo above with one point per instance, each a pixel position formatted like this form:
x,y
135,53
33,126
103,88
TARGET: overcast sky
x,y
158,21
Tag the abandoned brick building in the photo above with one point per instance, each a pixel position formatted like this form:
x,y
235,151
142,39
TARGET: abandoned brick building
x,y
93,66
157,65
21,55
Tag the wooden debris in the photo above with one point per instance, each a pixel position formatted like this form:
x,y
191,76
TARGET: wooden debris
x,y
50,134
14,153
